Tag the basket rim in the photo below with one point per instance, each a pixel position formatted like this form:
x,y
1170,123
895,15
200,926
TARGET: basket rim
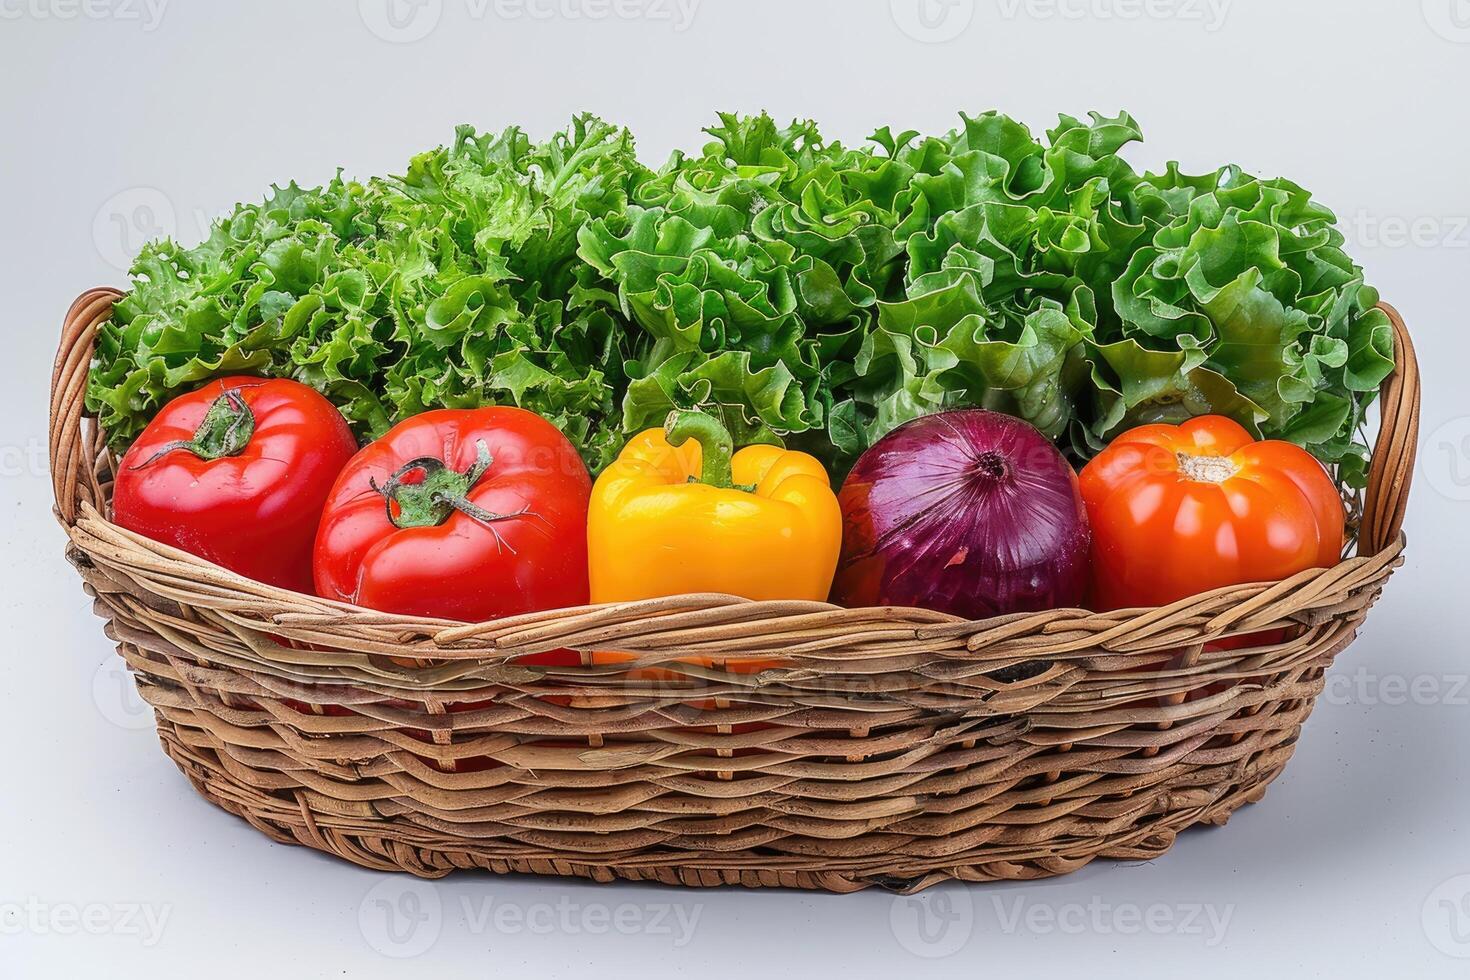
x,y
81,495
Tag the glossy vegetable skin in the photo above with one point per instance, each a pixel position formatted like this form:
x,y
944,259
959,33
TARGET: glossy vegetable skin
x,y
1179,510
237,473
467,515
968,512
678,513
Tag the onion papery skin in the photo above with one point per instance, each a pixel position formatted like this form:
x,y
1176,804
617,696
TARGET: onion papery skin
x,y
968,512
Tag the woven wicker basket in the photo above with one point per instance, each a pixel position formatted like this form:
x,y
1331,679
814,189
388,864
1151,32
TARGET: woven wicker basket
x,y
895,747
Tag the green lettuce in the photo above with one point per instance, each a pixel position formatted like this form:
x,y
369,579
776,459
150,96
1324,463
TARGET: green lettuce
x,y
1247,279
454,285
811,293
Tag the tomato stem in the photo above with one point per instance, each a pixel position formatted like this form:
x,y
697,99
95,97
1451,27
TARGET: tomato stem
x,y
1206,469
428,502
226,430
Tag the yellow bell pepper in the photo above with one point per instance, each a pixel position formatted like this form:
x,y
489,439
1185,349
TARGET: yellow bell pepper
x,y
677,513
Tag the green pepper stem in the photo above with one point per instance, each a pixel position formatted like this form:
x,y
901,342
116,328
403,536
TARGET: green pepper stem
x,y
226,430
715,444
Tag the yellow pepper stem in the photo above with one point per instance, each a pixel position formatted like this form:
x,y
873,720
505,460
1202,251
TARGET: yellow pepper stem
x,y
715,444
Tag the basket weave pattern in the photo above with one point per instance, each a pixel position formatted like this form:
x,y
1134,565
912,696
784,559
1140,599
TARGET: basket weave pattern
x,y
891,747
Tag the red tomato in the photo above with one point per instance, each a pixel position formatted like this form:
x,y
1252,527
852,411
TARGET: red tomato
x,y
1179,510
237,473
468,515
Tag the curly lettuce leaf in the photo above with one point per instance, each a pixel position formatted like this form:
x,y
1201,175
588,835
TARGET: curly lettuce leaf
x,y
454,285
1251,274
806,291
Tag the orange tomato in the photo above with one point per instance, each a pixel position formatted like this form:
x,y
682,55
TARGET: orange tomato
x,y
1179,510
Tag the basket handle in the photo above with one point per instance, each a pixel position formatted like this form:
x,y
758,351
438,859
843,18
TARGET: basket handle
x,y
74,479
73,473
1392,469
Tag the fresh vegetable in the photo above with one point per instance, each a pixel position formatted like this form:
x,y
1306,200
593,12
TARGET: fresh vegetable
x,y
830,294
1179,510
456,285
237,473
467,515
968,512
678,513
801,290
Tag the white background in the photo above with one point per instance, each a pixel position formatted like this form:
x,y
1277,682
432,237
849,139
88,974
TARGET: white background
x,y
120,119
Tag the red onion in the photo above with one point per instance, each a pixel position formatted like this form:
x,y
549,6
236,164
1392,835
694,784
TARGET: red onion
x,y
968,512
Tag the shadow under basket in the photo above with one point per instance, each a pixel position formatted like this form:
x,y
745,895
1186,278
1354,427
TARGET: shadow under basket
x,y
890,747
